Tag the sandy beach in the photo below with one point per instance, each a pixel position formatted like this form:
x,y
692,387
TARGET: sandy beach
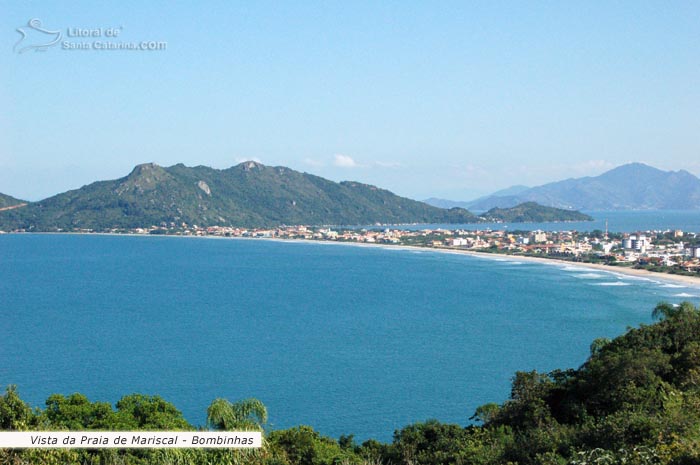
x,y
690,281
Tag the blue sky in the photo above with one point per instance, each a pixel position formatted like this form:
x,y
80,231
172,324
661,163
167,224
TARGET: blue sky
x,y
445,99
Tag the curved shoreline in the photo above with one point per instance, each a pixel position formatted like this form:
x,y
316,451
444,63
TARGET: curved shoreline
x,y
689,281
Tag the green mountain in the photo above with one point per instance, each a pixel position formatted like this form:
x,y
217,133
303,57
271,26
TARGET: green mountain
x,y
531,212
249,195
7,202
634,186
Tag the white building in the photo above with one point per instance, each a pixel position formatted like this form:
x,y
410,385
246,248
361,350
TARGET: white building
x,y
640,243
636,242
539,237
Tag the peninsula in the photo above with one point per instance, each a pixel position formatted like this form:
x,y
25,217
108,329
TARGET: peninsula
x,y
249,195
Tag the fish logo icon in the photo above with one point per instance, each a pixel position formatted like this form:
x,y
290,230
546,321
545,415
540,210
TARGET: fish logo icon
x,y
35,37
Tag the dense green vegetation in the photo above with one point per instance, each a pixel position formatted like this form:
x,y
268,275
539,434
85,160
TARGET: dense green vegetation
x,y
247,195
635,401
531,212
7,201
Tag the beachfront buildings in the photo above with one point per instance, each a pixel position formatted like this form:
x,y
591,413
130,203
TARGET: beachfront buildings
x,y
648,248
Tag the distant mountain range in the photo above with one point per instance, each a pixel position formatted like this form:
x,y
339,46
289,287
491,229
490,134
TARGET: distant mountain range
x,y
444,203
634,186
246,195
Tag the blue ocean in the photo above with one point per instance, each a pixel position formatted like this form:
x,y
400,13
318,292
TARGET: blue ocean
x,y
348,339
618,221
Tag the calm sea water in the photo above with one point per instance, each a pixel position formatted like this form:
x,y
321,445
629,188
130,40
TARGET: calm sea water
x,y
619,221
346,339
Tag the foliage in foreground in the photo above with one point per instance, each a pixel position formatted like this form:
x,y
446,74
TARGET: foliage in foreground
x,y
635,401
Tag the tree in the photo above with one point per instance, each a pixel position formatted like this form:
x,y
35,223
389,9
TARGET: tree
x,y
246,415
76,412
15,414
666,311
150,413
485,413
598,344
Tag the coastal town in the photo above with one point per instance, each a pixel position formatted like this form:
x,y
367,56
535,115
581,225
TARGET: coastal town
x,y
669,251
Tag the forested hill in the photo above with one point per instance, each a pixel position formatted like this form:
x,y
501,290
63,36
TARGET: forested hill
x,y
249,195
635,401
246,195
531,212
7,202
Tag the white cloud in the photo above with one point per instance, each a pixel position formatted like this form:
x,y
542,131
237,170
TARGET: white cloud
x,y
343,161
255,159
314,163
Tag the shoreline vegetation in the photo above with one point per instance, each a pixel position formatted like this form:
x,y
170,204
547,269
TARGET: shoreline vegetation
x,y
635,401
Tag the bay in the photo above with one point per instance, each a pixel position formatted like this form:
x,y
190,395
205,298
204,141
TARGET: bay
x,y
347,339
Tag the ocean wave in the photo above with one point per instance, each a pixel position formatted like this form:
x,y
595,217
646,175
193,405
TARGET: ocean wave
x,y
633,278
614,283
684,294
579,269
673,286
588,275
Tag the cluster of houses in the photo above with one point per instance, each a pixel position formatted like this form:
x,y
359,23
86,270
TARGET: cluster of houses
x,y
665,248
643,248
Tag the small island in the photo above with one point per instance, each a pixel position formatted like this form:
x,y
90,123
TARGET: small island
x,y
532,212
